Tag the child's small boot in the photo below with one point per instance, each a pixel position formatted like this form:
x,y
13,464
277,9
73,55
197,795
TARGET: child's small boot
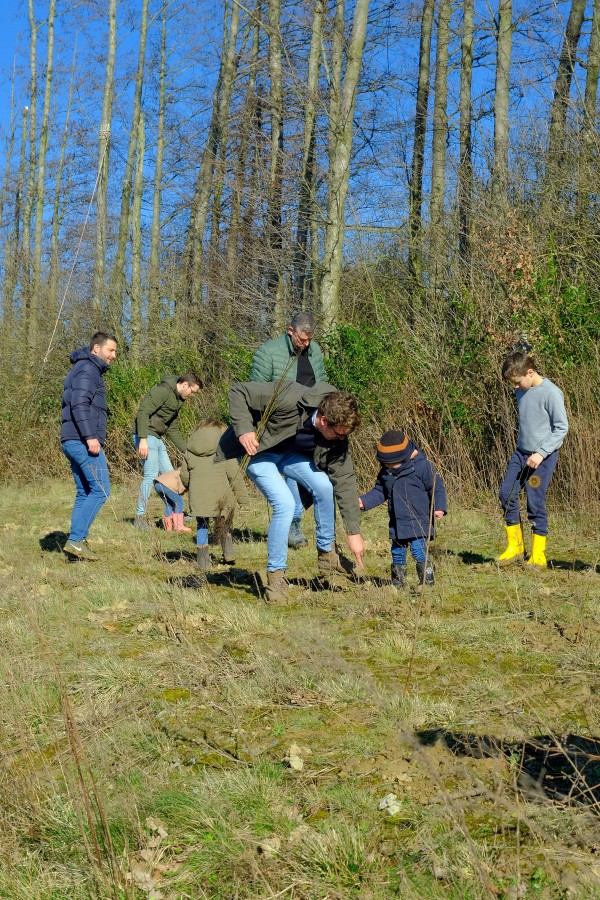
x,y
168,523
178,524
538,551
425,573
515,550
399,574
203,558
228,551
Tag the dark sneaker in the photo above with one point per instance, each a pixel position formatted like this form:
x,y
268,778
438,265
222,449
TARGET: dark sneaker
x,y
142,523
80,550
295,537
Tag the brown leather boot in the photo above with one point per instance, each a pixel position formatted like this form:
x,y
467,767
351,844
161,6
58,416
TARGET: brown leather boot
x,y
276,591
330,562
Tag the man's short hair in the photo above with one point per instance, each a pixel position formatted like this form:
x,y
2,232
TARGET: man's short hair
x,y
191,378
303,321
100,338
341,410
517,364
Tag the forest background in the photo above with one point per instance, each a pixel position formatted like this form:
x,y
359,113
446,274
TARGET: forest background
x,y
423,176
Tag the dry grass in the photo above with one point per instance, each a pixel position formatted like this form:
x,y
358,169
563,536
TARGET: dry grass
x,y
146,719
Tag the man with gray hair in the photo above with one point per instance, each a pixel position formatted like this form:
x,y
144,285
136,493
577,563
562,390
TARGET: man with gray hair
x,y
294,356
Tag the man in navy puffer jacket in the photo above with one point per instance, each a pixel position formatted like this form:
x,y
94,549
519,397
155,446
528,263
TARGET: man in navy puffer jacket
x,y
82,435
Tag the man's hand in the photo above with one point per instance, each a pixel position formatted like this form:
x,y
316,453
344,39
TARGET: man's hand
x,y
93,445
357,546
534,460
143,448
249,442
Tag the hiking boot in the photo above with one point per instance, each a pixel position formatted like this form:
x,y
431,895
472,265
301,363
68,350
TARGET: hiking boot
x,y
399,574
142,523
203,558
426,574
228,551
276,591
295,537
178,523
80,550
330,562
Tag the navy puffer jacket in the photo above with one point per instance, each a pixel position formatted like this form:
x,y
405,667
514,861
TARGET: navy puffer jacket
x,y
408,491
84,408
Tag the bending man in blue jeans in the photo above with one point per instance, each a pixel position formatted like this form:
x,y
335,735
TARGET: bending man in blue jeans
x,y
305,437
82,434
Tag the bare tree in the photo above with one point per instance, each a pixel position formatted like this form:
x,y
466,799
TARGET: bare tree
x,y
501,104
136,242
155,232
465,165
440,136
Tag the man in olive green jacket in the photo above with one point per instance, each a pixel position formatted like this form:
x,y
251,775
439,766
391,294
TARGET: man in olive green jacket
x,y
304,437
156,417
294,356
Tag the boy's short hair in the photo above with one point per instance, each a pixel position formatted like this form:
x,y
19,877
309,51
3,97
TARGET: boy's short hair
x,y
99,338
191,378
516,364
341,409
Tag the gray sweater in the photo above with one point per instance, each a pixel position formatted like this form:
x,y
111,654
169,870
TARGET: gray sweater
x,y
543,421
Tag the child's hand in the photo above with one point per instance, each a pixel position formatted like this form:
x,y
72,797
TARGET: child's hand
x,y
534,460
439,513
360,503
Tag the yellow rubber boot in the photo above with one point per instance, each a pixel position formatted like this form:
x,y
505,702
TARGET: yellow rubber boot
x,y
515,551
538,551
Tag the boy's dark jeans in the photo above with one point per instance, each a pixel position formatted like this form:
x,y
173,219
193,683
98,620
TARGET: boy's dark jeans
x,y
536,491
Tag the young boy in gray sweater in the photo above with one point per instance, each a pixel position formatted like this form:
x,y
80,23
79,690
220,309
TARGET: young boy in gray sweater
x,y
542,428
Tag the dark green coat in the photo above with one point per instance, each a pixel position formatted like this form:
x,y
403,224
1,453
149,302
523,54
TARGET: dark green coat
x,y
213,487
158,411
294,402
279,356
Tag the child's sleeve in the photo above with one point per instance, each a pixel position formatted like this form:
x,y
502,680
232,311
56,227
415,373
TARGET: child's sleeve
x,y
559,424
185,474
434,486
374,497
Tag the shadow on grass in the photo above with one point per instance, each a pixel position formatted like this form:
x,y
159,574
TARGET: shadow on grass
x,y
570,565
54,542
249,582
566,770
248,536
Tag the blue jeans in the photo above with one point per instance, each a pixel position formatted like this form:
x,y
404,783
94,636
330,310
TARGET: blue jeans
x,y
173,501
298,508
418,549
155,464
536,492
92,486
266,470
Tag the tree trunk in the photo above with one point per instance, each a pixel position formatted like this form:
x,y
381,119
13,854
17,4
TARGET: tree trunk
x,y
40,189
339,172
562,91
118,273
99,288
415,202
465,165
25,258
274,237
589,136
136,244
307,174
438,153
12,250
155,233
501,103
58,205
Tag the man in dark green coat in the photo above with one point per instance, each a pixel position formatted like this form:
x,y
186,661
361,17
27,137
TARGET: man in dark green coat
x,y
156,417
294,356
305,438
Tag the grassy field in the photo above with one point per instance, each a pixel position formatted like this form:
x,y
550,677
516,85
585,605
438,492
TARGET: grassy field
x,y
147,720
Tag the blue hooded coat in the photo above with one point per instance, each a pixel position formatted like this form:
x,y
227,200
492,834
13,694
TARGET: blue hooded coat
x,y
84,410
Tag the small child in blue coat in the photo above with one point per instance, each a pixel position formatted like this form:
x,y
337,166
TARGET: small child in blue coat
x,y
410,484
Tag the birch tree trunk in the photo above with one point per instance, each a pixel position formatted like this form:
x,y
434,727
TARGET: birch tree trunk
x,y
415,250
274,241
99,288
501,104
118,273
58,205
307,174
438,153
40,189
155,233
136,243
465,165
339,172
25,257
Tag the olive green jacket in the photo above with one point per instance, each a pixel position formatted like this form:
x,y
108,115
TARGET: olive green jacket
x,y
293,402
158,411
213,487
275,357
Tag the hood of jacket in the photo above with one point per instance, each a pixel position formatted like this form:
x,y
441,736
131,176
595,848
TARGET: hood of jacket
x,y
84,353
203,441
